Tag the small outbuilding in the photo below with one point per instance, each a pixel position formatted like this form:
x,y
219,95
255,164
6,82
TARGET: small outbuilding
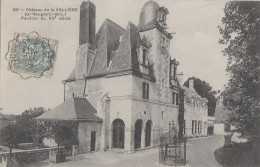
x,y
81,111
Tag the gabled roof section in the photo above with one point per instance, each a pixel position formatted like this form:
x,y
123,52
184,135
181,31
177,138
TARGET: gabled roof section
x,y
126,58
107,40
191,94
75,109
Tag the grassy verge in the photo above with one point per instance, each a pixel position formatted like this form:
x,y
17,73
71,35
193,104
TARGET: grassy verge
x,y
240,155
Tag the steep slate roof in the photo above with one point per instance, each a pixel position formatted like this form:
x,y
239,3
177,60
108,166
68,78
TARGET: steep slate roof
x,y
107,40
72,75
113,56
190,94
126,57
74,108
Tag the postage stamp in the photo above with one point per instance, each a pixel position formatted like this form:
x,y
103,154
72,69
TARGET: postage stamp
x,y
31,55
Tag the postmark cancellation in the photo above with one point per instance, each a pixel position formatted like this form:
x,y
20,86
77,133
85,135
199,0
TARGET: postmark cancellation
x,y
31,55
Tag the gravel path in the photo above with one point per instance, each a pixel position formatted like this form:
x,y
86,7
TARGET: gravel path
x,y
200,152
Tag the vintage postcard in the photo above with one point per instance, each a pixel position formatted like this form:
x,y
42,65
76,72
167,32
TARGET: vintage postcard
x,y
113,83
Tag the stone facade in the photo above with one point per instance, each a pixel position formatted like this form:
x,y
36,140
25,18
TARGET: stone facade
x,y
196,113
135,92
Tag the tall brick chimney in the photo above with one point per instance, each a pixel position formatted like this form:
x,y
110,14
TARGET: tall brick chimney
x,y
87,28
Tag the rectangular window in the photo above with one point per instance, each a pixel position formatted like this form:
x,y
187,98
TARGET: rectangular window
x,y
145,90
184,125
173,97
193,127
177,99
199,127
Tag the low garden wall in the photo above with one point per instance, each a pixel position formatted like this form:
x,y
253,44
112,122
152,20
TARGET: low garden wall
x,y
27,156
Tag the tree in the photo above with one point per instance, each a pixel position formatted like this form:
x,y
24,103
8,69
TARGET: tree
x,y
10,136
65,133
28,125
204,90
240,32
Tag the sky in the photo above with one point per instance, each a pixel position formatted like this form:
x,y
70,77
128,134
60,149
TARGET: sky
x,y
194,44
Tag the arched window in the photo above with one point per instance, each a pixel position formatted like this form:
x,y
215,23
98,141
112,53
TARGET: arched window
x,y
118,133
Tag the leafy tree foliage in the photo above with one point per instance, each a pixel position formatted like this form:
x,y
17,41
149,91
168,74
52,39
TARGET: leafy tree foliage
x,y
204,90
240,32
28,126
65,133
10,136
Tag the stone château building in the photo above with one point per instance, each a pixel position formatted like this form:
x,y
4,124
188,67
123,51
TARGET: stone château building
x,y
123,91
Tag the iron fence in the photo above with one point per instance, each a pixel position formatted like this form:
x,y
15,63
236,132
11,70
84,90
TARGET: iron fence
x,y
172,150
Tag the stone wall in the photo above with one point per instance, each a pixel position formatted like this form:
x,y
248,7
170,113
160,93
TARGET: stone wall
x,y
27,156
159,56
197,113
84,135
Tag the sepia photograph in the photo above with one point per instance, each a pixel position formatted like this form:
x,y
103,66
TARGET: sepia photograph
x,y
129,83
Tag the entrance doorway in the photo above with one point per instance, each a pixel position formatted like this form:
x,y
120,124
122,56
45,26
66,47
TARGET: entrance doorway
x,y
93,141
138,133
148,132
118,133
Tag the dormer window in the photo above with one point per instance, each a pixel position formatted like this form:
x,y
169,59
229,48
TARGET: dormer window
x,y
145,61
173,71
173,97
177,98
162,19
163,40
